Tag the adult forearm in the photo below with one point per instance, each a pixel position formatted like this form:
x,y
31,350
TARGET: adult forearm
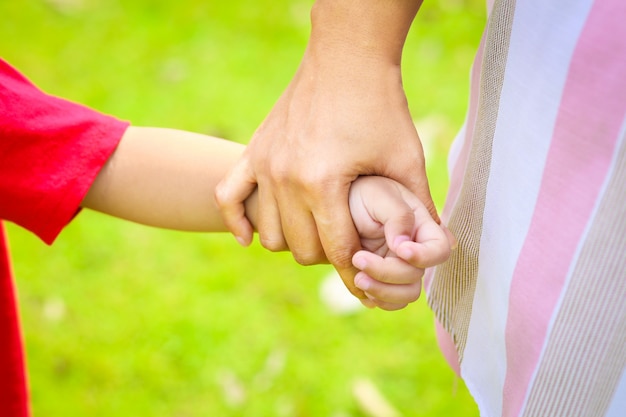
x,y
165,178
361,29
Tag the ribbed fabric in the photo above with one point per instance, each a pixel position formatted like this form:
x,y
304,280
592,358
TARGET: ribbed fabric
x,y
452,290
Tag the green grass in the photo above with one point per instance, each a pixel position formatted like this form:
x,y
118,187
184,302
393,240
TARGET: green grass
x,y
125,320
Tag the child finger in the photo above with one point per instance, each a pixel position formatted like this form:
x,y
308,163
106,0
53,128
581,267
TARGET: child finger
x,y
451,238
432,247
389,306
390,269
388,293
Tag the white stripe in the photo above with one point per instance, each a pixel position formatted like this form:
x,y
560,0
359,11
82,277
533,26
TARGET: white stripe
x,y
538,58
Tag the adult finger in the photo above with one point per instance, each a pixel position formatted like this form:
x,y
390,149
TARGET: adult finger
x,y
300,232
269,225
338,235
230,195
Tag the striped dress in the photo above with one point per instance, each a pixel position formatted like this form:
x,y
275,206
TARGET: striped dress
x,y
533,301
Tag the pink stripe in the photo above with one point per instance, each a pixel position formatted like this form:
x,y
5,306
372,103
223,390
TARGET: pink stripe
x,y
586,131
458,172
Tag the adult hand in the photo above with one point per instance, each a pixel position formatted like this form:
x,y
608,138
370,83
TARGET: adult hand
x,y
344,114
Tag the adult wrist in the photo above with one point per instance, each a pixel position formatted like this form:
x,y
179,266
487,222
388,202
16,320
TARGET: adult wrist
x,y
366,30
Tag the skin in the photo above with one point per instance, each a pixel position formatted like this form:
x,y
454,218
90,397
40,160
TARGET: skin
x,y
166,178
343,115
383,211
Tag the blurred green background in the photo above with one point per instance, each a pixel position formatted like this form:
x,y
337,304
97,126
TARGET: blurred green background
x,y
126,320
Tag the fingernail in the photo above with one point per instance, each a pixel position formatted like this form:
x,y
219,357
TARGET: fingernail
x,y
359,262
399,240
362,283
241,241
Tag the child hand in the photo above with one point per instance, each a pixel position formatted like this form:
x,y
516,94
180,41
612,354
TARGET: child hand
x,y
399,239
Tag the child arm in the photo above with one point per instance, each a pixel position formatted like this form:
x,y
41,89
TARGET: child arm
x,y
166,178
383,211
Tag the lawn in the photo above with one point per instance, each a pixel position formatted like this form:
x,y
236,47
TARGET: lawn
x,y
126,320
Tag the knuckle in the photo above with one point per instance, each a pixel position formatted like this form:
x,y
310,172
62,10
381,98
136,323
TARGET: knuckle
x,y
222,195
309,257
282,168
406,217
280,173
273,243
310,178
317,183
341,258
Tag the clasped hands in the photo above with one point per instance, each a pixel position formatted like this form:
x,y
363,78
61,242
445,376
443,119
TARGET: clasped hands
x,y
340,174
398,239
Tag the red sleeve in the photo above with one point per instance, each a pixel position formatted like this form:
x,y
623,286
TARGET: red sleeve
x,y
50,152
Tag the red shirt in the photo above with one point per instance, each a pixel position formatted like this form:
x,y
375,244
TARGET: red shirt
x,y
50,152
